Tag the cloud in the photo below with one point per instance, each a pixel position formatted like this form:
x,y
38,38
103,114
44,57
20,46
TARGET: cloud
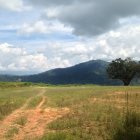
x,y
18,59
15,59
50,2
123,42
42,27
14,5
90,17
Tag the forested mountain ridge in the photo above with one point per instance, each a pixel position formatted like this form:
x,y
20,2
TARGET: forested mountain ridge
x,y
91,72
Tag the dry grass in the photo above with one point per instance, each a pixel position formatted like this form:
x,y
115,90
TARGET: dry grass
x,y
70,113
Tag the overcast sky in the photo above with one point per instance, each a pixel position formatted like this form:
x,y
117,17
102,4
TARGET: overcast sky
x,y
38,35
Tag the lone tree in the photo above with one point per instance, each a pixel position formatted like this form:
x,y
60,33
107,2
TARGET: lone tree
x,y
124,70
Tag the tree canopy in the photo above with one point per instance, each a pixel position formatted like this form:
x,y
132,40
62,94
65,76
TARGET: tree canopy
x,y
124,70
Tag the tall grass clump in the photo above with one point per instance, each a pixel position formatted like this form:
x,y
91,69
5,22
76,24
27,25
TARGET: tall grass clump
x,y
6,109
11,132
129,127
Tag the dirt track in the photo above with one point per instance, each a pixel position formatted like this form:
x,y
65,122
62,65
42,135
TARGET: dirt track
x,y
36,120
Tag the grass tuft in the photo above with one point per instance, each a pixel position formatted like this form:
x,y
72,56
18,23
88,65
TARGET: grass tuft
x,y
129,128
11,132
21,121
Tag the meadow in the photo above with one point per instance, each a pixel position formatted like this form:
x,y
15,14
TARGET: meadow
x,y
84,112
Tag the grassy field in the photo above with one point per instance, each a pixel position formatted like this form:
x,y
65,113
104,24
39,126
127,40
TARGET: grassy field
x,y
70,112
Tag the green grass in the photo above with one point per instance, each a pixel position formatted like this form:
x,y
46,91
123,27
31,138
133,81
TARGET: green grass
x,y
15,84
13,98
34,102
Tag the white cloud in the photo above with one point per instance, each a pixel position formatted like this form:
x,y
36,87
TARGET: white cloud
x,y
20,60
123,43
51,12
114,34
38,27
58,62
45,55
43,28
14,5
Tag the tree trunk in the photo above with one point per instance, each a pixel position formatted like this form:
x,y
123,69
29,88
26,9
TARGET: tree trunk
x,y
126,82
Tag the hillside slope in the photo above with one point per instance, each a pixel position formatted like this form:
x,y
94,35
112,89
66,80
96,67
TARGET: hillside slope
x,y
91,72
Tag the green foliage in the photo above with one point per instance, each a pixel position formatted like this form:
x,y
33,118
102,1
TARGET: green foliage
x,y
124,70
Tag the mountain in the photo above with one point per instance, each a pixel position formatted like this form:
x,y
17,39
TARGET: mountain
x,y
8,78
91,72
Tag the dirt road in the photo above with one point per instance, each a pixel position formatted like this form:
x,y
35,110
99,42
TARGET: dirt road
x,y
26,123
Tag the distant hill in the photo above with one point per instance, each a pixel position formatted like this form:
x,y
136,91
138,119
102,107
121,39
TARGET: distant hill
x,y
9,78
91,72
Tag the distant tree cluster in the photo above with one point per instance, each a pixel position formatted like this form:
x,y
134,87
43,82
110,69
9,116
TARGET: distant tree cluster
x,y
124,70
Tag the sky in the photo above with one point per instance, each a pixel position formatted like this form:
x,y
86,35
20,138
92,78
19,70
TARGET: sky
x,y
39,35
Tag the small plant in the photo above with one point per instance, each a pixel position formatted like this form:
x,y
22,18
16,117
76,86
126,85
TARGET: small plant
x,y
11,132
21,121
